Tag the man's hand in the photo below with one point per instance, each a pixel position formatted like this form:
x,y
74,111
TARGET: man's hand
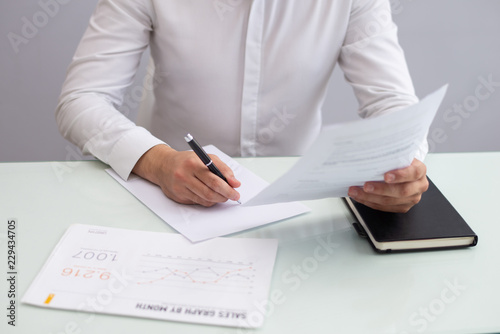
x,y
184,178
400,190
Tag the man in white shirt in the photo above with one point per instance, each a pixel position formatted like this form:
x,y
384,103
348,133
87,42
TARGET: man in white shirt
x,y
247,76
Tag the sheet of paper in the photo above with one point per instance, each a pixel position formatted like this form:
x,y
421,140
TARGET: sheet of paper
x,y
198,223
352,153
157,275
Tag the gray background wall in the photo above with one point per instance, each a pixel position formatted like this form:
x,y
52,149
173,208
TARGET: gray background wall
x,y
446,41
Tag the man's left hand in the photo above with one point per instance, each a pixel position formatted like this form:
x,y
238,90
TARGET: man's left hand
x,y
399,192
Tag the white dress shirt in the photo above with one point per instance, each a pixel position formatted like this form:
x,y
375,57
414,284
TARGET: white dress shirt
x,y
247,76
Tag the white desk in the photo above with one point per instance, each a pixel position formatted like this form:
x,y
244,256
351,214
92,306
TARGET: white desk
x,y
343,288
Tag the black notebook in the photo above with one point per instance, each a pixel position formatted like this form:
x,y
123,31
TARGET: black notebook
x,y
431,224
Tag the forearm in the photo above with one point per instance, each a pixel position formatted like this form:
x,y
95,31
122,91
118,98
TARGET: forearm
x,y
104,65
373,62
100,130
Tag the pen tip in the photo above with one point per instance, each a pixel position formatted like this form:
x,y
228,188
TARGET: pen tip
x,y
188,137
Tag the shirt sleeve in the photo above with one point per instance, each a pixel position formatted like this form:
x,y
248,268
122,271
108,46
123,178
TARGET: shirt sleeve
x,y
102,68
374,64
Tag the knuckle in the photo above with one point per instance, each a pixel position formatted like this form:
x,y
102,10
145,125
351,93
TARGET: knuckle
x,y
406,190
177,173
415,200
423,169
179,176
190,161
214,158
425,186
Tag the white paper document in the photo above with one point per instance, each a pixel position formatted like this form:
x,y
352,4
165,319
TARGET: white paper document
x,y
157,275
198,223
352,153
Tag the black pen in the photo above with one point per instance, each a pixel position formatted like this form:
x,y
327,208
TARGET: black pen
x,y
200,152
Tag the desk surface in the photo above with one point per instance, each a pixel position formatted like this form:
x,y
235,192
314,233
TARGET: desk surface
x,y
326,279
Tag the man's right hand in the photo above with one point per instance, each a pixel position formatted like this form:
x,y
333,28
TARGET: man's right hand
x,y
184,178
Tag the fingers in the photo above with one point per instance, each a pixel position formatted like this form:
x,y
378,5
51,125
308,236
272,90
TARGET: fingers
x,y
383,202
212,188
415,171
184,178
226,171
186,197
386,204
195,192
401,190
188,181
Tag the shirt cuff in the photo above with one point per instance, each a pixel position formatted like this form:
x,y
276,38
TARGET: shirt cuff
x,y
129,149
423,149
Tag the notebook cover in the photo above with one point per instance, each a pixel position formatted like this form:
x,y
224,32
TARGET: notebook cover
x,y
433,217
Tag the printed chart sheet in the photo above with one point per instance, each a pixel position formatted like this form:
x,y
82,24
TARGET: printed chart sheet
x,y
157,275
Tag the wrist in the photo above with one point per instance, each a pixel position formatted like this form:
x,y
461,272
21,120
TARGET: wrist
x,y
150,163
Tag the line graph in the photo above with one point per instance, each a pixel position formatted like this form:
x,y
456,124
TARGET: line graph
x,y
195,273
162,276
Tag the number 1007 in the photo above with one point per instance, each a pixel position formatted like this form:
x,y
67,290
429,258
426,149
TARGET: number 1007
x,y
89,255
